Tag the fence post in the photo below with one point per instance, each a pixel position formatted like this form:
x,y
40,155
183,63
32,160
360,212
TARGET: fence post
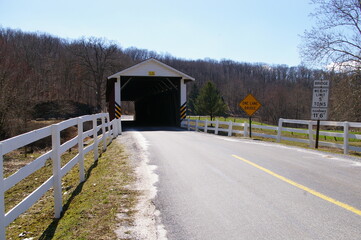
x,y
110,130
95,137
230,128
81,149
310,134
345,137
206,126
104,136
217,126
56,157
115,128
119,126
279,133
196,125
2,199
245,129
188,125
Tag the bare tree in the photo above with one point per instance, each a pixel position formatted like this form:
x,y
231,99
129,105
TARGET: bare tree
x,y
97,57
346,97
336,39
14,76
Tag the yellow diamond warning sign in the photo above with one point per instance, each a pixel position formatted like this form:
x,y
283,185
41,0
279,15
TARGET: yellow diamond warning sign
x,y
250,105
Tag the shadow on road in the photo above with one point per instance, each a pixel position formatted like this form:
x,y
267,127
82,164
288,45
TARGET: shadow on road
x,y
134,126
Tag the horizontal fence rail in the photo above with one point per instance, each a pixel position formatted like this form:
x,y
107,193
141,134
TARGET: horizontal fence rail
x,y
231,128
99,122
346,134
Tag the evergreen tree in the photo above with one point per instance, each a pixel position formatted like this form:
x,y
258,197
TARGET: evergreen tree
x,y
210,102
192,100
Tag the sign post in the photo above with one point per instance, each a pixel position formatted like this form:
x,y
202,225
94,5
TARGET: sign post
x,y
250,105
319,109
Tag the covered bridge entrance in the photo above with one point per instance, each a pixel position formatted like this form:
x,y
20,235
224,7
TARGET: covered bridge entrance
x,y
158,91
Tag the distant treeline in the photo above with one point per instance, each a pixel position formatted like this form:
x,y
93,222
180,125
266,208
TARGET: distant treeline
x,y
36,68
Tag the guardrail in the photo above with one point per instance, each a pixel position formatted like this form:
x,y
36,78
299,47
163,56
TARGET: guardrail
x,y
100,122
221,126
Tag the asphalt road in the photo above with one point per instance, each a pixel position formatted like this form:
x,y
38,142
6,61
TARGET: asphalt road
x,y
213,187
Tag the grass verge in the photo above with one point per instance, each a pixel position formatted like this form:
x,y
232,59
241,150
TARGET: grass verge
x,y
89,209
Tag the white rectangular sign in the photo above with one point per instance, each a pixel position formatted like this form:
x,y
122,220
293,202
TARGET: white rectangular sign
x,y
321,84
320,98
319,114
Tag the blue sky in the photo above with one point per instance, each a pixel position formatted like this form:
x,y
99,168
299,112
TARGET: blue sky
x,y
266,31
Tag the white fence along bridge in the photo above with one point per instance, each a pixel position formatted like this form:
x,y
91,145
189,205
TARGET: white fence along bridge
x,y
229,129
100,123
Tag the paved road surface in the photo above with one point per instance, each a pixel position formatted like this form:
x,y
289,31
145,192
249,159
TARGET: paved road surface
x,y
213,187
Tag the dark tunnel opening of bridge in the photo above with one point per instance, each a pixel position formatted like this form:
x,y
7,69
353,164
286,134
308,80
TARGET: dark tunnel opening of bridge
x,y
156,100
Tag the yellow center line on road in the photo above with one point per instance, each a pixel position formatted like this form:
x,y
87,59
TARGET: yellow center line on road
x,y
300,186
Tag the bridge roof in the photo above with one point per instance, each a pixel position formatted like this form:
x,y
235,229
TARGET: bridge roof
x,y
152,68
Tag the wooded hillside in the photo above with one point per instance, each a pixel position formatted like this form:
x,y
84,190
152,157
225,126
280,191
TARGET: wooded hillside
x,y
38,69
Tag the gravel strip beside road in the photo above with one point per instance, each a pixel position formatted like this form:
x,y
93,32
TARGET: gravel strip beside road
x,y
147,224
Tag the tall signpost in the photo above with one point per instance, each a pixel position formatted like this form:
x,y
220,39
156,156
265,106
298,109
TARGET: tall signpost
x,y
319,109
250,105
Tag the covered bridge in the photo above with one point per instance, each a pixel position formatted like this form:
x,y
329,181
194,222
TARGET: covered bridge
x,y
158,91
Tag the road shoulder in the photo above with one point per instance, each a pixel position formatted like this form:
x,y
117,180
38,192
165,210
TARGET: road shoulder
x,y
146,223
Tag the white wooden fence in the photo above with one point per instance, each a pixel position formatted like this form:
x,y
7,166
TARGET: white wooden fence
x,y
228,127
346,134
109,130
